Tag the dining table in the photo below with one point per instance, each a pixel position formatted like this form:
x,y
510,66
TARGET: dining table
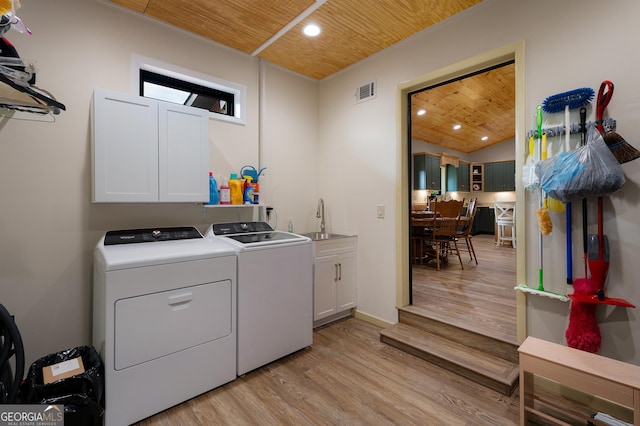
x,y
426,219
420,222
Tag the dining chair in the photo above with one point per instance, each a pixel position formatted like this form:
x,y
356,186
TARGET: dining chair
x,y
444,231
505,218
465,230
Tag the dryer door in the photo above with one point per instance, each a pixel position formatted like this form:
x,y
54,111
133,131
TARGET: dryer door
x,y
158,324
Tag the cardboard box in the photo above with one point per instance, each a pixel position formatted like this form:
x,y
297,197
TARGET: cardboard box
x,y
62,370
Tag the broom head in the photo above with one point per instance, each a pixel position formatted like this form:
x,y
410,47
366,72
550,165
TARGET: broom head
x,y
620,148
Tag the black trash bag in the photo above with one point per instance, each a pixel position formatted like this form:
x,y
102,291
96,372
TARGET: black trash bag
x,y
79,410
84,391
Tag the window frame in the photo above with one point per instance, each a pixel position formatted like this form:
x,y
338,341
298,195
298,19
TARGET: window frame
x,y
193,78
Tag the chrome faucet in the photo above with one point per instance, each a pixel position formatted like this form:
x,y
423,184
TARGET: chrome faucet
x,y
320,214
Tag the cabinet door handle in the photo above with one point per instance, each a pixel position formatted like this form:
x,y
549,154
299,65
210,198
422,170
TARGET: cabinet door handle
x,y
335,276
340,271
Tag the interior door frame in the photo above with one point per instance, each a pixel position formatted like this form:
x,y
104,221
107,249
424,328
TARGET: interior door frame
x,y
511,52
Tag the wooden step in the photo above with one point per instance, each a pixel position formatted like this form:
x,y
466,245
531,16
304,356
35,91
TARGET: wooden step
x,y
487,369
464,332
483,320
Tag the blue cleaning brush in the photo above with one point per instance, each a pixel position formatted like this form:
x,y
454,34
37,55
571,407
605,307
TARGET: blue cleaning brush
x,y
573,99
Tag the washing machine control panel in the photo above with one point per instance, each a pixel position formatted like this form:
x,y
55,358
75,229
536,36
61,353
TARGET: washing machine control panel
x,y
240,228
130,236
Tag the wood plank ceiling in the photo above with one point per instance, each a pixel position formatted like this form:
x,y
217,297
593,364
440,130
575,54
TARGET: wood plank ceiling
x,y
352,30
482,104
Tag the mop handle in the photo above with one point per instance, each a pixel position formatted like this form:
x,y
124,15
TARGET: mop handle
x,y
600,229
567,208
539,157
585,233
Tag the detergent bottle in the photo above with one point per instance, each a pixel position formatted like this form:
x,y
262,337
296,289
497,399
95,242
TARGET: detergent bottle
x,y
236,186
225,193
249,187
256,193
213,190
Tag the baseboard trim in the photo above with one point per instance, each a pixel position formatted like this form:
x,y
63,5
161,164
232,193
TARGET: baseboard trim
x,y
371,319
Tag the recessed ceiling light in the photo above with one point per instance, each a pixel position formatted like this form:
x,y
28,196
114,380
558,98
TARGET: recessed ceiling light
x,y
311,30
484,138
457,127
421,112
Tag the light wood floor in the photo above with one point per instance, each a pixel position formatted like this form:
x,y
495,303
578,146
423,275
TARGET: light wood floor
x,y
348,377
480,297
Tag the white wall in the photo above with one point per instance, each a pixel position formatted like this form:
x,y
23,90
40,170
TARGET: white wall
x,y
289,147
566,47
48,225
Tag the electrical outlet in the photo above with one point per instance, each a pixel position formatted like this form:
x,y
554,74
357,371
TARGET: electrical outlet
x,y
380,211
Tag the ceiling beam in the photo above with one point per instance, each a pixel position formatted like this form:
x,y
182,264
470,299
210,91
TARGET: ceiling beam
x,y
290,25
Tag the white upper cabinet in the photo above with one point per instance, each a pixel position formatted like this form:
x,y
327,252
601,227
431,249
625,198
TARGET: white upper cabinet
x,y
184,153
148,151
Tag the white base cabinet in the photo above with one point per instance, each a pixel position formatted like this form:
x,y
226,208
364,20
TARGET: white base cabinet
x,y
334,278
148,151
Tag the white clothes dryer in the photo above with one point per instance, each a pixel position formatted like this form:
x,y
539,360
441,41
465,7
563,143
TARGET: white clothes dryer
x,y
164,318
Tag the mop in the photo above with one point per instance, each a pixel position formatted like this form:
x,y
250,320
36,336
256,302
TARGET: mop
x,y
544,221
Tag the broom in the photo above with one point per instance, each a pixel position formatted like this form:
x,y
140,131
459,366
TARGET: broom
x,y
620,148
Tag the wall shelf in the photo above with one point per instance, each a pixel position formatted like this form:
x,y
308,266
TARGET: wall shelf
x,y
228,207
17,114
477,177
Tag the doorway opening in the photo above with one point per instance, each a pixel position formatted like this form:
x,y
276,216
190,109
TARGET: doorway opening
x,y
460,131
511,56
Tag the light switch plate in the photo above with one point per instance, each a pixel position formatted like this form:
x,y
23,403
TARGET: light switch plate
x,y
380,211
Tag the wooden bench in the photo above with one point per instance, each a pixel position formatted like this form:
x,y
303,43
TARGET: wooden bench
x,y
592,374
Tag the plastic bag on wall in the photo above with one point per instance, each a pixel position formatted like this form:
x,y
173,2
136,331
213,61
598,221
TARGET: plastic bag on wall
x,y
589,171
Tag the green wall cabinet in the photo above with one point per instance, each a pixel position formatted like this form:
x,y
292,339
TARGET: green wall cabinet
x,y
419,173
426,172
500,176
458,177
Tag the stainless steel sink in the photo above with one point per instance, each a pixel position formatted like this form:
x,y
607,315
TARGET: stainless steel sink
x,y
318,236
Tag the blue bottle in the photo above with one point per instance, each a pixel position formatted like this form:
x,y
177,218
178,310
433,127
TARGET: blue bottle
x,y
213,190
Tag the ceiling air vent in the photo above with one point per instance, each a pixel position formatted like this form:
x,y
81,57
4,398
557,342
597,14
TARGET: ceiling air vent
x,y
366,92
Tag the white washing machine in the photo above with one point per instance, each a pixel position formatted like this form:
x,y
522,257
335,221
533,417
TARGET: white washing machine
x,y
275,291
164,318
